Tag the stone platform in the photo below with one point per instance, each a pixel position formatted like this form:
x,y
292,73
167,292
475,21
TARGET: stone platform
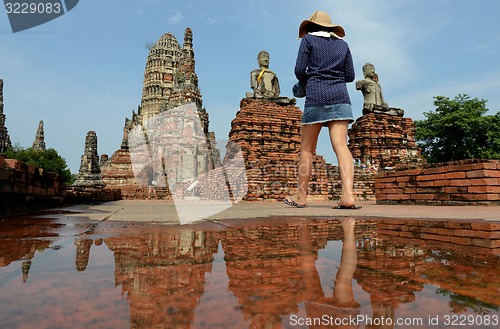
x,y
164,211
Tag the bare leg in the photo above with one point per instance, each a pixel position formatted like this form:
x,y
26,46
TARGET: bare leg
x,y
342,293
338,138
309,139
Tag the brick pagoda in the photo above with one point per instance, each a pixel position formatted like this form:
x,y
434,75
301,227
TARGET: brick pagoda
x,y
384,140
268,135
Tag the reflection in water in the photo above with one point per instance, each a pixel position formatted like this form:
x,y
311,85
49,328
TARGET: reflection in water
x,y
164,274
275,273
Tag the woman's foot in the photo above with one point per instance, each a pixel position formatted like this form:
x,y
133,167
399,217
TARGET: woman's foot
x,y
346,203
347,200
295,202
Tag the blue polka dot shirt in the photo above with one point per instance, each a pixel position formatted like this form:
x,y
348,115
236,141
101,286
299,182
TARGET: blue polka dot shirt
x,y
324,65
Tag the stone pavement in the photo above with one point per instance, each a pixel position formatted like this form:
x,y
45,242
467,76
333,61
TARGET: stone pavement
x,y
166,212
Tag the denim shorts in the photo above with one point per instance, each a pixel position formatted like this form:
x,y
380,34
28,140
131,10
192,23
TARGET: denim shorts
x,y
326,113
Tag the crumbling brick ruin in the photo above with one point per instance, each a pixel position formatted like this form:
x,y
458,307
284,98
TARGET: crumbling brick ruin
x,y
268,135
384,140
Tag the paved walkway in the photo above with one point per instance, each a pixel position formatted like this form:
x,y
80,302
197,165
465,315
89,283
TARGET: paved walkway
x,y
189,211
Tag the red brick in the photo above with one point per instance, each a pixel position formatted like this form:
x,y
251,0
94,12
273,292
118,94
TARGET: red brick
x,y
443,197
461,240
414,172
475,166
486,243
457,174
397,197
475,181
444,182
492,173
430,189
483,189
437,237
475,197
385,180
483,173
454,189
485,226
432,177
422,196
12,163
403,178
459,225
424,183
445,231
431,230
393,191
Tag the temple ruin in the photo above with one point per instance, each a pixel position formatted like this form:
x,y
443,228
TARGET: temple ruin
x,y
90,172
39,143
5,142
167,138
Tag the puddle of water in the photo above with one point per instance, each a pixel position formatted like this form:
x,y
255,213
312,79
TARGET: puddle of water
x,y
262,273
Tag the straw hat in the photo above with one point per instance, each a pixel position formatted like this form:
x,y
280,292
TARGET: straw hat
x,y
322,19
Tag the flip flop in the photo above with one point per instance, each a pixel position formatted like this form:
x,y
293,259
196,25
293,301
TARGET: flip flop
x,y
341,206
292,203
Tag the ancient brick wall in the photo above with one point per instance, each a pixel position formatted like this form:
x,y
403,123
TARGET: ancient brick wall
x,y
466,182
364,183
24,188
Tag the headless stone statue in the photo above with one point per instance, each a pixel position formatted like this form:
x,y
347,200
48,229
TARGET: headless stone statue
x,y
372,92
265,83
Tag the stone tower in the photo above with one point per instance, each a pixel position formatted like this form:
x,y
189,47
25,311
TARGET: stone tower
x,y
170,97
170,79
4,135
90,172
39,143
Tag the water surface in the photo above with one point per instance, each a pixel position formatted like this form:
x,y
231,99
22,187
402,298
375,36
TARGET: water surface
x,y
58,271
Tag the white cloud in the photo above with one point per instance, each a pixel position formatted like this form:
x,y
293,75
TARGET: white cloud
x,y
176,18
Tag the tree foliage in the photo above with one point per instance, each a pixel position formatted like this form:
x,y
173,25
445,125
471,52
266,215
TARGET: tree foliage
x,y
48,160
459,129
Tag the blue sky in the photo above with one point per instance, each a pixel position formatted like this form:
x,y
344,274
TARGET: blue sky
x,y
84,70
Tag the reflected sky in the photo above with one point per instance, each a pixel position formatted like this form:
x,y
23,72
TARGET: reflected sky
x,y
66,272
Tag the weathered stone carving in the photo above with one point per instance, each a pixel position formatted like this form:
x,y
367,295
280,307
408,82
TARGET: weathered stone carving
x,y
265,83
372,92
4,135
90,171
39,143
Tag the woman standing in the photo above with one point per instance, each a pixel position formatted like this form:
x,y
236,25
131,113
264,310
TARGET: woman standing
x,y
324,66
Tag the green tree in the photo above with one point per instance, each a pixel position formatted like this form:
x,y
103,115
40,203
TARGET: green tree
x,y
48,160
459,129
